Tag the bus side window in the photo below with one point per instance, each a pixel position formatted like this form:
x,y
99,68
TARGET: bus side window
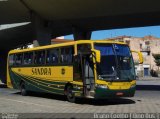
x,y
67,55
18,59
52,56
28,57
39,57
11,60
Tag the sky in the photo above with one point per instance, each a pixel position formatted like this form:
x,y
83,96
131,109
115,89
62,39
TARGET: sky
x,y
136,32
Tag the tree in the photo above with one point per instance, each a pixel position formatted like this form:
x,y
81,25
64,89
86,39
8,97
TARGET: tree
x,y
157,59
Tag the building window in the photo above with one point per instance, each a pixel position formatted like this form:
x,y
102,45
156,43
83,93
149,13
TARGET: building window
x,y
147,43
140,46
128,42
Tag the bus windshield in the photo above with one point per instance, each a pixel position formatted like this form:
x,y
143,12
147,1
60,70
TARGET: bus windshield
x,y
116,62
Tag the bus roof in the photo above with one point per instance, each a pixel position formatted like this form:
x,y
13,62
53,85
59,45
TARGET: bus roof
x,y
65,44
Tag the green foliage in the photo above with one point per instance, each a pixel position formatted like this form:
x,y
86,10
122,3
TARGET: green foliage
x,y
136,62
157,59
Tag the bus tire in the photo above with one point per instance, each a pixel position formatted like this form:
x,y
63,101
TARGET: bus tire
x,y
70,94
23,89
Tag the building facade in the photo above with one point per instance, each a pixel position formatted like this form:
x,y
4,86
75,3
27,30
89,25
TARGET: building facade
x,y
148,45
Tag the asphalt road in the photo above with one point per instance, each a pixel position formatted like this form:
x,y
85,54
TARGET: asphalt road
x,y
12,101
144,101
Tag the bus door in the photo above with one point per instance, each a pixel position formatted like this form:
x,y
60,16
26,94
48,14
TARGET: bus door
x,y
83,70
88,75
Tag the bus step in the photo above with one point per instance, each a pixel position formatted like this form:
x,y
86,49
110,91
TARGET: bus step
x,y
92,93
2,85
89,96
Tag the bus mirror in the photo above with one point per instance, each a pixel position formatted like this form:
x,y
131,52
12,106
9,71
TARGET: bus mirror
x,y
139,55
97,55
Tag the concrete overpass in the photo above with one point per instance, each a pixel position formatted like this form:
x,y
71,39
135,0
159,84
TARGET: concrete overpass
x,y
52,18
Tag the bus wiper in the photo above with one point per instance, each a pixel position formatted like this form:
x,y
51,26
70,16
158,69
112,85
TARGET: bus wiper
x,y
112,75
100,77
109,76
129,79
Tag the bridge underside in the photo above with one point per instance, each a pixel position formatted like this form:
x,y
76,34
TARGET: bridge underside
x,y
20,35
61,17
52,18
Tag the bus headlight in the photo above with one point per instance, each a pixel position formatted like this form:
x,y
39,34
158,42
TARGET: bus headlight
x,y
102,86
133,86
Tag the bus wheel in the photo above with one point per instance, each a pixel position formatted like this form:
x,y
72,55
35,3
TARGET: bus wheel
x,y
23,89
70,94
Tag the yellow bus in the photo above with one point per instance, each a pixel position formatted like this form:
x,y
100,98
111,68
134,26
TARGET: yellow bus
x,y
85,68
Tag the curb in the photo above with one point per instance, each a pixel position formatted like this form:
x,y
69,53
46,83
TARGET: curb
x,y
148,87
149,79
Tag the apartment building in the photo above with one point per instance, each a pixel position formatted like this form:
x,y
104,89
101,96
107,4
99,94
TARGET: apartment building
x,y
148,45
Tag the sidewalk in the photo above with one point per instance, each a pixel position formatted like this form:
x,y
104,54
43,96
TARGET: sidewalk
x,y
149,78
148,83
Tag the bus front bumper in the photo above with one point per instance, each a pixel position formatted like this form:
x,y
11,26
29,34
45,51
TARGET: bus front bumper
x,y
108,93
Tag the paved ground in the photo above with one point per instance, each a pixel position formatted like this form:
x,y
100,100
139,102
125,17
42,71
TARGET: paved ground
x,y
11,101
145,101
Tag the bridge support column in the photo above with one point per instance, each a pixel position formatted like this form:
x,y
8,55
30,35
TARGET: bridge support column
x,y
3,65
79,34
41,31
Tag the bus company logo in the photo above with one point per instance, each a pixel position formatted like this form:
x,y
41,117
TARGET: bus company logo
x,y
63,71
41,71
19,70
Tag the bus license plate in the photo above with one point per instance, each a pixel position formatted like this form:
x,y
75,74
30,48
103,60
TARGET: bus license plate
x,y
119,94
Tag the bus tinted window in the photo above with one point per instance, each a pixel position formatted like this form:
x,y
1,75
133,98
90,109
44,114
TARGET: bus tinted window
x,y
28,57
11,60
18,59
67,55
39,57
83,48
52,56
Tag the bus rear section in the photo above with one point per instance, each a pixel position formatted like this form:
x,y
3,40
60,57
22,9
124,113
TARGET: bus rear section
x,y
45,69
